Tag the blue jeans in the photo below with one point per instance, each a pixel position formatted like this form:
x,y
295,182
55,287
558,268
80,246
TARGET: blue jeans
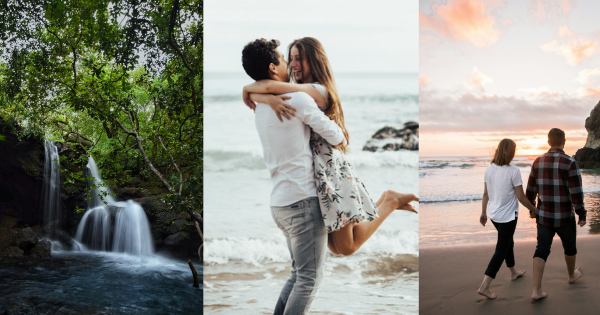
x,y
306,236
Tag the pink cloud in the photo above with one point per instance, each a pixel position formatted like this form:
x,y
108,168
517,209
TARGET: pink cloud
x,y
565,5
423,79
477,80
590,92
575,50
551,10
464,20
498,113
541,92
584,75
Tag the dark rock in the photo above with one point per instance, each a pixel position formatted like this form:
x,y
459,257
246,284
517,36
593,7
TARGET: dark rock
x,y
175,239
37,229
21,168
65,239
42,250
45,243
8,222
26,239
132,193
589,156
177,224
168,218
7,238
389,138
12,251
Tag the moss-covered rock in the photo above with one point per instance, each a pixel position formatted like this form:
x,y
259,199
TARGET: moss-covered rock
x,y
12,251
7,238
31,165
8,222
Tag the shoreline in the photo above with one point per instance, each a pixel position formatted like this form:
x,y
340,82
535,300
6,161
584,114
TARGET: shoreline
x,y
451,275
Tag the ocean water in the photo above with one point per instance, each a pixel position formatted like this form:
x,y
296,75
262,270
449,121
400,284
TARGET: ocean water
x,y
451,189
246,258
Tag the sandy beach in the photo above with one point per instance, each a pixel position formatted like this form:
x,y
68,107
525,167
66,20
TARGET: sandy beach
x,y
450,277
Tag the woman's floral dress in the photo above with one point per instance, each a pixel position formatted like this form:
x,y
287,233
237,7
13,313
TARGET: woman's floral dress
x,y
342,195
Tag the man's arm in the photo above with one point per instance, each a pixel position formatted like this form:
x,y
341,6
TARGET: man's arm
x,y
312,116
576,189
532,190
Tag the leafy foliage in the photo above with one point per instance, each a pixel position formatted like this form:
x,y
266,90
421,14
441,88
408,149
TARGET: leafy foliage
x,y
121,79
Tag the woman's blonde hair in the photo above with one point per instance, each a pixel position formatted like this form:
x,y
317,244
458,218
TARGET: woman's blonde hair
x,y
311,49
505,152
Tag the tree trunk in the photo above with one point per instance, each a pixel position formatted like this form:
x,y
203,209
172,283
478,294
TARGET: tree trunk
x,y
195,274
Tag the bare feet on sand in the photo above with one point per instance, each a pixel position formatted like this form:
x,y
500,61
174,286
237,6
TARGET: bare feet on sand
x,y
401,201
487,293
517,275
539,296
578,273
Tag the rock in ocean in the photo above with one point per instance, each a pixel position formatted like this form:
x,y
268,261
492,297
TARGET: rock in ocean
x,y
589,155
392,139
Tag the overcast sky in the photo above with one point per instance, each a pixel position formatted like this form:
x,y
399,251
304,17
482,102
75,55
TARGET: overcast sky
x,y
381,36
491,69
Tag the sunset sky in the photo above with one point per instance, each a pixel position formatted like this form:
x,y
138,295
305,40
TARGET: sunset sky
x,y
492,69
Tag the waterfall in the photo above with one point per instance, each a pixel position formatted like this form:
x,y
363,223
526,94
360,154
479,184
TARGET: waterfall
x,y
51,189
109,225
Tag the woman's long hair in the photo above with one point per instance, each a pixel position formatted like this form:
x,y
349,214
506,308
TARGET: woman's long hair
x,y
311,49
505,152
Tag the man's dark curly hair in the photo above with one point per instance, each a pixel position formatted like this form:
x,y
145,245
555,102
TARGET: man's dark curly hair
x,y
258,55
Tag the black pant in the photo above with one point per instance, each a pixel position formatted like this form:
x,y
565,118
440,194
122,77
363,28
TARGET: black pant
x,y
504,247
567,234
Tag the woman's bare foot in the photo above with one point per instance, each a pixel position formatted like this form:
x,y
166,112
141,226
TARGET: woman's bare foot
x,y
539,296
487,293
517,275
578,273
401,201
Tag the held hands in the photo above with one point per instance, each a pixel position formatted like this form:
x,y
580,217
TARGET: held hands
x,y
483,219
531,214
581,222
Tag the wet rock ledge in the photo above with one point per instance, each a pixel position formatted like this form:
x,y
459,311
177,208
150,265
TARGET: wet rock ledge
x,y
22,241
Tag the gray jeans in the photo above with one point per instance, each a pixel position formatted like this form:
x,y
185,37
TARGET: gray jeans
x,y
306,237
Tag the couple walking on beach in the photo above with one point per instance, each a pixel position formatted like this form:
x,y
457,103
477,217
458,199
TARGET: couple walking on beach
x,y
555,181
317,199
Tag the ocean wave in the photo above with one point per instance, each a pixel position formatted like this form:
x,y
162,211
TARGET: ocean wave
x,y
393,98
384,159
450,198
522,164
225,160
443,165
222,160
257,251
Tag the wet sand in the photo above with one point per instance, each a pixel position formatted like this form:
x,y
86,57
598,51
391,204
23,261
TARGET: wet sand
x,y
450,277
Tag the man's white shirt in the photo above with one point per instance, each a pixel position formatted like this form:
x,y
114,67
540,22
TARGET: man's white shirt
x,y
286,147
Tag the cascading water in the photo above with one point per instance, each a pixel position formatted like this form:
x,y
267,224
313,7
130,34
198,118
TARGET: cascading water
x,y
51,189
109,225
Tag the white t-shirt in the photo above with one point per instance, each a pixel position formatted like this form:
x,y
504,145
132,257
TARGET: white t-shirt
x,y
286,147
501,182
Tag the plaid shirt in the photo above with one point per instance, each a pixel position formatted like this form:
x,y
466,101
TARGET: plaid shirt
x,y
556,181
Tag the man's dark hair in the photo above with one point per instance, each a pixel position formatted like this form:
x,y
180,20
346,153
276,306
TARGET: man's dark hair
x,y
556,137
258,55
